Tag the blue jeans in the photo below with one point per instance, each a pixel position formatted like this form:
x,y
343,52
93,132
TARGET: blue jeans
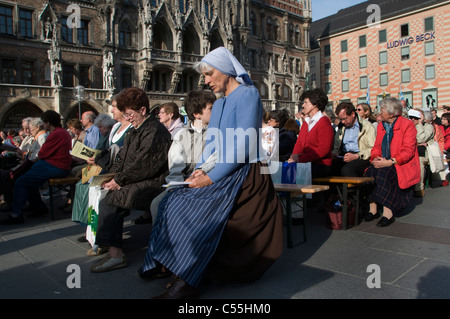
x,y
26,187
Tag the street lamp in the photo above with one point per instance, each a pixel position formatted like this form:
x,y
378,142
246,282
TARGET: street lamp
x,y
78,92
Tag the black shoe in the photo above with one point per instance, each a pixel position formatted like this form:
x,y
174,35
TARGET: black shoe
x,y
179,289
157,272
13,220
384,221
369,216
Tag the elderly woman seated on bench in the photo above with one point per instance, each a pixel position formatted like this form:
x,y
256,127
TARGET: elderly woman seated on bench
x,y
394,163
54,162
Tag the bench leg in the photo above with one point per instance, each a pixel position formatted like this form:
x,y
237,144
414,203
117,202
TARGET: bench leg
x,y
52,204
304,218
357,207
344,206
289,220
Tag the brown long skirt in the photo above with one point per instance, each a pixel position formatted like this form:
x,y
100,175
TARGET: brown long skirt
x,y
253,238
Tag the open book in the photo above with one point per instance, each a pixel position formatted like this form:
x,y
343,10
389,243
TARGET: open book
x,y
171,184
98,180
82,151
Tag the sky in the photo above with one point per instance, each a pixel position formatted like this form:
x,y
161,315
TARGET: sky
x,y
324,8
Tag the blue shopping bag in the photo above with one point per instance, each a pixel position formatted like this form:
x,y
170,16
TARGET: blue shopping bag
x,y
289,173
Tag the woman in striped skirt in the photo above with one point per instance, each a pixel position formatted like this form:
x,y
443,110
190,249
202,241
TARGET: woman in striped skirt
x,y
394,163
188,232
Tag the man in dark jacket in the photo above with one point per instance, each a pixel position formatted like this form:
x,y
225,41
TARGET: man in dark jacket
x,y
140,168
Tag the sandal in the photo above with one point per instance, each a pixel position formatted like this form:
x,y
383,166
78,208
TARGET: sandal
x,y
141,220
100,251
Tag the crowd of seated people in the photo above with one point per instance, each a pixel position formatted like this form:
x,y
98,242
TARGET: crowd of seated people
x,y
145,149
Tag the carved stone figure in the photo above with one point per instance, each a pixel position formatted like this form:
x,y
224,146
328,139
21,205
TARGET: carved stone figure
x,y
48,28
108,70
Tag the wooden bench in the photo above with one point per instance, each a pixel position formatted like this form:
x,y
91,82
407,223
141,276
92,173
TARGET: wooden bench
x,y
66,184
343,183
294,190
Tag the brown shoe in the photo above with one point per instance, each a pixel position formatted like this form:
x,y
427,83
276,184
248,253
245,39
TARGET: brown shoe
x,y
178,289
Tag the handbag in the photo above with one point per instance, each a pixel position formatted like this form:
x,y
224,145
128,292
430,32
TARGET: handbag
x,y
21,169
96,194
88,171
435,157
333,208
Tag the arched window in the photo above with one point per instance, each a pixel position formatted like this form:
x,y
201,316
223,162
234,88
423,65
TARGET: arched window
x,y
253,25
269,27
263,91
298,34
276,30
291,34
125,35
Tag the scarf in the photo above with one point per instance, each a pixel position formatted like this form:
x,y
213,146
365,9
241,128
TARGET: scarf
x,y
224,61
387,139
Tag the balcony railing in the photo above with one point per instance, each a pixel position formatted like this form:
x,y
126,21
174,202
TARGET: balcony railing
x,y
165,55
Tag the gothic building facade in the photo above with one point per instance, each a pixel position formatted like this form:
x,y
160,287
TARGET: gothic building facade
x,y
71,56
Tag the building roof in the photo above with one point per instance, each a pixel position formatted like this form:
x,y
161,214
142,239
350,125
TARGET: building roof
x,y
357,15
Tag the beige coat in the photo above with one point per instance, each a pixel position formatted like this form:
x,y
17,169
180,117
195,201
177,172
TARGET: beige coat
x,y
366,138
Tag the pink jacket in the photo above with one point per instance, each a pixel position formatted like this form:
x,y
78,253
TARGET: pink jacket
x,y
403,149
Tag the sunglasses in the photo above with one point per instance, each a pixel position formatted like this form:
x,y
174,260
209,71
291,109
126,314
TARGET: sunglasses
x,y
359,110
413,118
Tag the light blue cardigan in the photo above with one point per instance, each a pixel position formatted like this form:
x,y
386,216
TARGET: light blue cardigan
x,y
241,112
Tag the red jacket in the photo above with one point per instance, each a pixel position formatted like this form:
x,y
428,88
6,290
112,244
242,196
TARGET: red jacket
x,y
446,132
403,149
316,145
56,149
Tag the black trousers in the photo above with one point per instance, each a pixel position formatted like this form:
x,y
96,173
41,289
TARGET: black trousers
x,y
354,168
110,224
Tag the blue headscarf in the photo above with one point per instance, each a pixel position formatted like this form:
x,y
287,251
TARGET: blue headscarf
x,y
224,61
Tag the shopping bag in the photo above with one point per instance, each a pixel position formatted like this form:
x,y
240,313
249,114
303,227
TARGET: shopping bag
x,y
435,157
291,173
96,194
88,171
80,204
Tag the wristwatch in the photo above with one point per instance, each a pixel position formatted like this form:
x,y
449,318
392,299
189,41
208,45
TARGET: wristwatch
x,y
393,161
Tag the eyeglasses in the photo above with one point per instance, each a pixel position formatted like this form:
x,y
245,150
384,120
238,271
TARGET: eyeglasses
x,y
129,115
413,118
162,112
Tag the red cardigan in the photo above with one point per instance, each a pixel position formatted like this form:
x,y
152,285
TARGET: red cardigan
x,y
317,144
403,149
56,149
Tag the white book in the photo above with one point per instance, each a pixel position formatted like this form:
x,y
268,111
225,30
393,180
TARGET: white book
x,y
173,183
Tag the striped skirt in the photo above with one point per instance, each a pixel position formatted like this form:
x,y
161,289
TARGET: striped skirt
x,y
386,191
253,238
189,226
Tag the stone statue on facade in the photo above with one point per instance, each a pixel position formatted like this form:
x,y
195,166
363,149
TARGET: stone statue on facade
x,y
108,70
48,30
54,56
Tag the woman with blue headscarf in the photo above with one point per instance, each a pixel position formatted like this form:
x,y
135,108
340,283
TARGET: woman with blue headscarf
x,y
229,220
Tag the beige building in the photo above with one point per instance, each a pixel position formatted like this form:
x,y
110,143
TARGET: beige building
x,y
403,52
71,56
